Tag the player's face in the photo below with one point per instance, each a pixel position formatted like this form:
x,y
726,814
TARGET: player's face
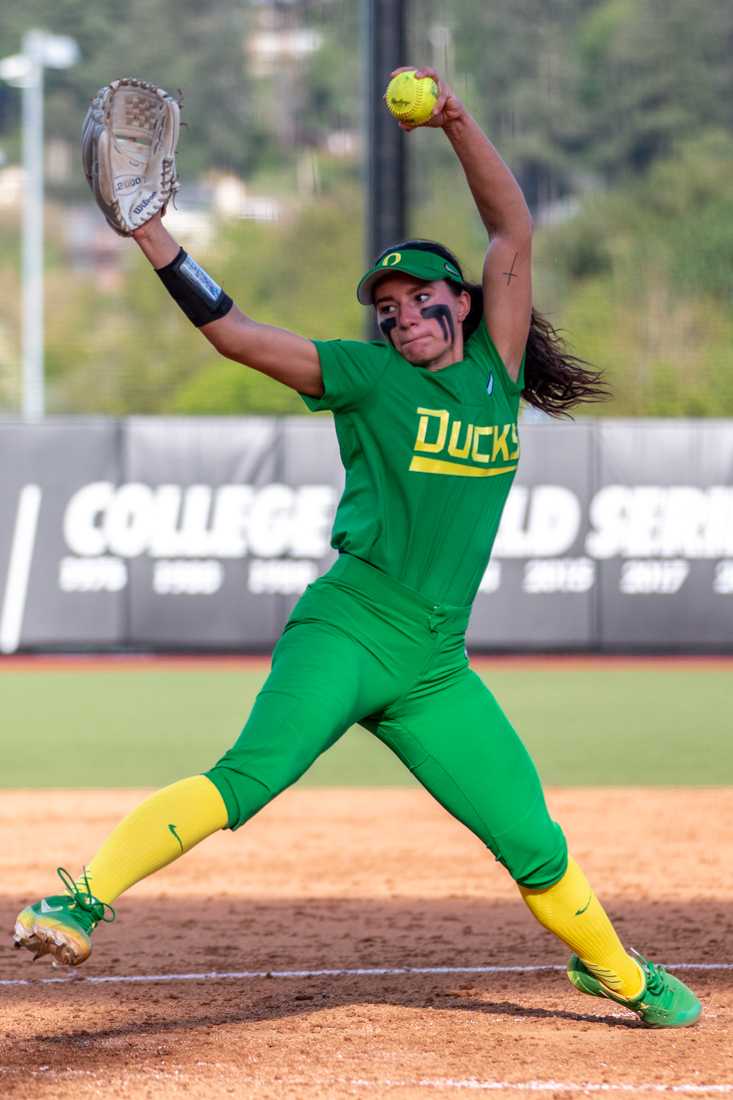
x,y
423,320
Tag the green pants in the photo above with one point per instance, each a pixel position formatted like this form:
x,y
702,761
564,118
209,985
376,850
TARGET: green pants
x,y
360,647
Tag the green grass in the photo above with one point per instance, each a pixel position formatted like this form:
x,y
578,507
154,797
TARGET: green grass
x,y
141,727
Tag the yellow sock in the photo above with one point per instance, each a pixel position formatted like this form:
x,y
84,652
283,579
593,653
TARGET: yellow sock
x,y
572,911
159,830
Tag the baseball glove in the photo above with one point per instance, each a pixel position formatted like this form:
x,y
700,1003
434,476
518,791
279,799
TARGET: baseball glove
x,y
128,147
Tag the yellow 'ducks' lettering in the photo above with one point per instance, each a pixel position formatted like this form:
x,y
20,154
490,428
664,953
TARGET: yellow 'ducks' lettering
x,y
426,415
501,446
453,448
481,444
477,454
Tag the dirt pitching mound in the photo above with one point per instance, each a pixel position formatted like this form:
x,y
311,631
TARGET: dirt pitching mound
x,y
383,906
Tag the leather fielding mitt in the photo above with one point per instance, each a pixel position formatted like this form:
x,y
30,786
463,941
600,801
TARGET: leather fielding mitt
x,y
128,147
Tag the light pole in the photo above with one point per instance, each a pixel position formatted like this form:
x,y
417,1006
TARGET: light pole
x,y
385,24
25,71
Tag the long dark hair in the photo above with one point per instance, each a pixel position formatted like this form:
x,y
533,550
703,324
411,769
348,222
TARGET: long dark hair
x,y
554,380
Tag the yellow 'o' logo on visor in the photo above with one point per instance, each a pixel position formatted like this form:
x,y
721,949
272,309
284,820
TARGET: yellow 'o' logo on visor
x,y
392,259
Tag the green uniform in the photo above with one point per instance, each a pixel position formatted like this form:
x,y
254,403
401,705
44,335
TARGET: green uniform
x,y
379,640
429,456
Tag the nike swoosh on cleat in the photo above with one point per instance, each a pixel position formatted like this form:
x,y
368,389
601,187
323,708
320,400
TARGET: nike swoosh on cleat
x,y
46,908
581,911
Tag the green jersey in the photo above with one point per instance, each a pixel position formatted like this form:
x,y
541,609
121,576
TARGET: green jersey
x,y
429,456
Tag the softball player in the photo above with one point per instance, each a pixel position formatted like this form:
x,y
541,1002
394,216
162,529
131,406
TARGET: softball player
x,y
427,429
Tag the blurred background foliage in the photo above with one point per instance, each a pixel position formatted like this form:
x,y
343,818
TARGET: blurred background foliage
x,y
616,116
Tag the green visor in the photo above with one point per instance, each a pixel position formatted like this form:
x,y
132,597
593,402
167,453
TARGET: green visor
x,y
422,265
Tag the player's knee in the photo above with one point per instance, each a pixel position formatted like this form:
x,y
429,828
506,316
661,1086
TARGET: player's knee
x,y
244,795
536,860
257,768
260,765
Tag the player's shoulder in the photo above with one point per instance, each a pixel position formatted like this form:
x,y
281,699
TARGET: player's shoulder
x,y
367,360
352,373
362,349
481,348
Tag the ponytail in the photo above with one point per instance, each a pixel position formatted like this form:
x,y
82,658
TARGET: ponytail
x,y
554,380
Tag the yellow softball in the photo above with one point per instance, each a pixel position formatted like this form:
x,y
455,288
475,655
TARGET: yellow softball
x,y
410,98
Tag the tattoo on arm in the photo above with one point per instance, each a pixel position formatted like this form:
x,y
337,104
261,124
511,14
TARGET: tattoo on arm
x,y
511,274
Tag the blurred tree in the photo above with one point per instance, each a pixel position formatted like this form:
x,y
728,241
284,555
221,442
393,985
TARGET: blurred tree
x,y
616,115
566,87
641,279
652,72
175,43
319,89
512,62
142,355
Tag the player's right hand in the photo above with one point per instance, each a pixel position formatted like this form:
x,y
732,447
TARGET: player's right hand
x,y
448,107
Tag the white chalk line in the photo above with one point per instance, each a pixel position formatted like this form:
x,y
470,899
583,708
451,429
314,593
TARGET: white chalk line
x,y
581,1087
19,567
342,972
444,1084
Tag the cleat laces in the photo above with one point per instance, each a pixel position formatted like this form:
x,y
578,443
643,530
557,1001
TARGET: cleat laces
x,y
92,907
654,975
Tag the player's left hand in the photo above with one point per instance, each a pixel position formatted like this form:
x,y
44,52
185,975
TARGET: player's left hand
x,y
448,107
128,144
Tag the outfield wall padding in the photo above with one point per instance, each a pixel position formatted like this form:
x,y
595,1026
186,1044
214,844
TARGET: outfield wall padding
x,y
200,533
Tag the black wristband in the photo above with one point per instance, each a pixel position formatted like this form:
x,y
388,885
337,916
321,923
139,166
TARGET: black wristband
x,y
200,298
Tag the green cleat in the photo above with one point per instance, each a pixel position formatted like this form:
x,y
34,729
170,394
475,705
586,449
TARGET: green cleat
x,y
665,1001
62,926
